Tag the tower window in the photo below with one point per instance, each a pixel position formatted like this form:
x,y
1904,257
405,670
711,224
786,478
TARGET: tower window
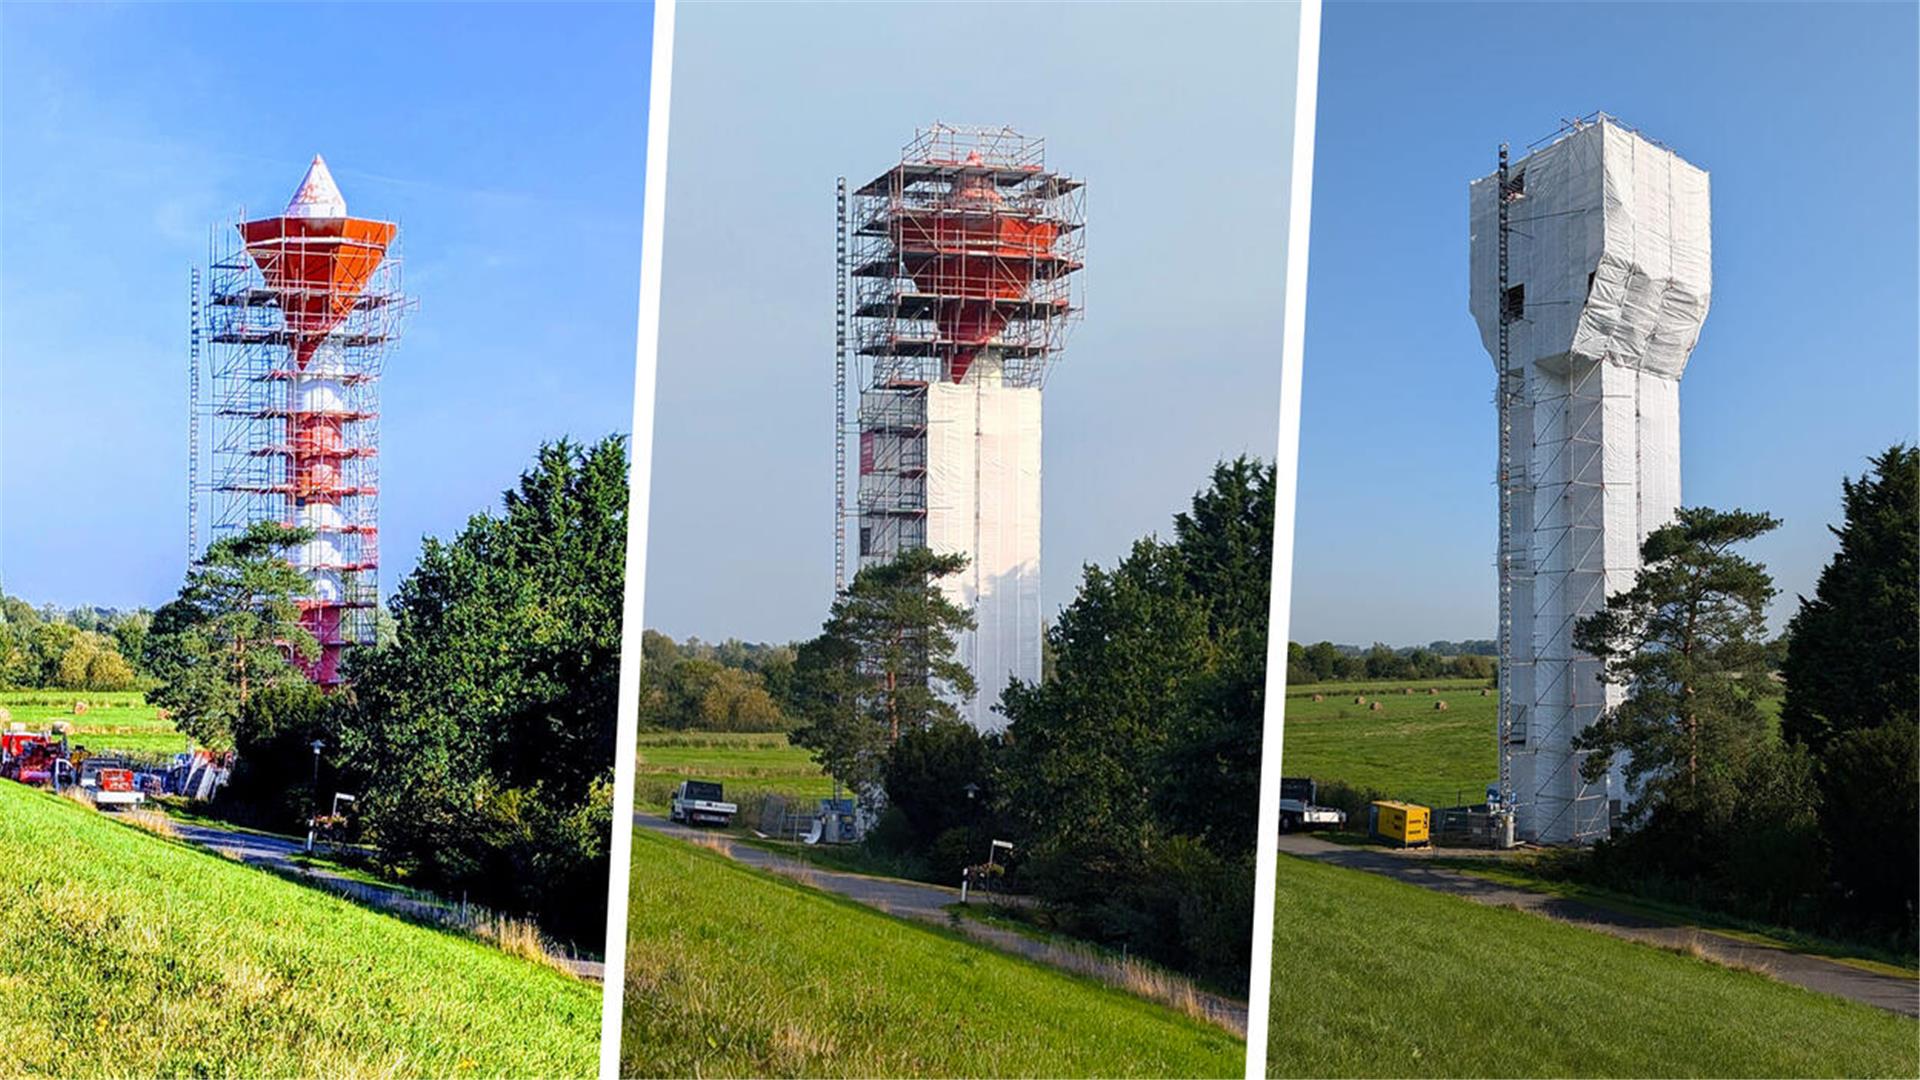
x,y
1513,303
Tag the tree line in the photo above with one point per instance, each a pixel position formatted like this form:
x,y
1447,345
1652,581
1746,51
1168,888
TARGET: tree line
x,y
476,735
86,648
1126,778
731,686
1324,661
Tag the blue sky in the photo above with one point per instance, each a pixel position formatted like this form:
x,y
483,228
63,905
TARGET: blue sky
x,y
1180,120
1805,117
508,140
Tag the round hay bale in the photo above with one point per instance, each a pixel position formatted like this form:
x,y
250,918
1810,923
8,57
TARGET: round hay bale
x,y
6,716
1484,691
1375,707
1431,691
163,714
1319,697
1361,700
80,708
1406,689
1440,706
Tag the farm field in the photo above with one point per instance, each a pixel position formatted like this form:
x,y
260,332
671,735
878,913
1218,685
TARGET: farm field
x,y
747,764
119,721
732,971
137,955
1374,977
1406,750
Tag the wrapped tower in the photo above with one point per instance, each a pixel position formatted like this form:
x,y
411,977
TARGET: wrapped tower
x,y
961,261
1590,279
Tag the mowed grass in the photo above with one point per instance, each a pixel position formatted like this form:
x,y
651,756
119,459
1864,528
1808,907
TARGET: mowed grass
x,y
1372,977
132,955
1407,749
734,972
747,765
113,722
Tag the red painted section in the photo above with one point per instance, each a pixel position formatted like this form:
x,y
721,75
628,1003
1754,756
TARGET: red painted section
x,y
318,268
970,252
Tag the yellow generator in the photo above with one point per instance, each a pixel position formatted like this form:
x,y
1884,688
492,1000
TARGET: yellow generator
x,y
1402,824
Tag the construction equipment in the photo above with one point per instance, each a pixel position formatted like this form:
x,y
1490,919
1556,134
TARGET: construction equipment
x,y
31,757
1400,824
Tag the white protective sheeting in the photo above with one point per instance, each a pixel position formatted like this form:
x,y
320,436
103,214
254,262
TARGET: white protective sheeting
x,y
983,501
1609,241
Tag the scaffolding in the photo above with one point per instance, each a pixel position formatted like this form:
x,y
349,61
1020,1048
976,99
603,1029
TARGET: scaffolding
x,y
284,387
962,258
1591,275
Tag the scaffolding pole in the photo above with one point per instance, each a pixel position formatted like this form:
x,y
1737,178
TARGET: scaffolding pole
x,y
840,389
193,418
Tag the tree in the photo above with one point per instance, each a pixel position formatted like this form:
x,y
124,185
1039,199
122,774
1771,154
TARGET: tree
x,y
1853,654
883,664
1687,642
482,738
233,629
1131,777
1853,688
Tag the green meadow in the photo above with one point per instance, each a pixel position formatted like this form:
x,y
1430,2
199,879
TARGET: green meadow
x,y
1373,977
103,722
736,972
130,954
746,764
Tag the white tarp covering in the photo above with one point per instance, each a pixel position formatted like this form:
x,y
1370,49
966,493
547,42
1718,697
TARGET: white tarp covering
x,y
1601,205
983,501
1609,241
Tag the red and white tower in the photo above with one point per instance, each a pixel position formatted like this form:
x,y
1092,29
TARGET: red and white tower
x,y
957,294
298,312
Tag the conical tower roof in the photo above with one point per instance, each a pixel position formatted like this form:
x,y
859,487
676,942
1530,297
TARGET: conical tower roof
x,y
318,196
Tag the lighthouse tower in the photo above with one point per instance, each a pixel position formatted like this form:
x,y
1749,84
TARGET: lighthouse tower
x,y
297,315
1590,279
961,260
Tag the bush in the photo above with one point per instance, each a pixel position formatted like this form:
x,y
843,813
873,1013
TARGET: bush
x,y
1871,820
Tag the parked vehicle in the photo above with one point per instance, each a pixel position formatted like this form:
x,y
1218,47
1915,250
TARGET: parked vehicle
x,y
701,802
109,784
1298,810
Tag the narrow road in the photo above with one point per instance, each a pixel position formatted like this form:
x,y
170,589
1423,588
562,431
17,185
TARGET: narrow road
x,y
277,853
1895,994
914,900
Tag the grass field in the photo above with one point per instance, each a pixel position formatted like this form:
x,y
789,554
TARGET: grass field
x,y
119,721
1407,749
132,955
746,764
734,972
1373,977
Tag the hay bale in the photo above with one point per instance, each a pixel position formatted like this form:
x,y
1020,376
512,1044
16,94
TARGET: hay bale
x,y
6,716
1440,706
1361,700
1484,691
1431,691
1406,689
80,708
1319,697
1375,707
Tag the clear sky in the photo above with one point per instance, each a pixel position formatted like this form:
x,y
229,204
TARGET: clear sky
x,y
1180,121
507,140
1804,116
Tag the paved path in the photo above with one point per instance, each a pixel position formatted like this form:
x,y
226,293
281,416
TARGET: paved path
x,y
277,853
1893,993
916,900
